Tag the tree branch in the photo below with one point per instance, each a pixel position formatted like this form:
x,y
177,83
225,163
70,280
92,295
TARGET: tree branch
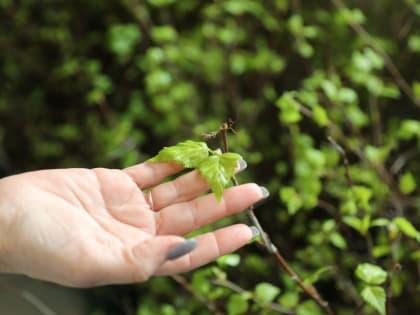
x,y
309,289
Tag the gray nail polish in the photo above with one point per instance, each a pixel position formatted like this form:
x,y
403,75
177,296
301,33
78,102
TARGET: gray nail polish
x,y
242,165
265,192
181,249
255,232
265,195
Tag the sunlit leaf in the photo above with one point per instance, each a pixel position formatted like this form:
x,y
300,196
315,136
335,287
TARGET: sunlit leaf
x,y
237,304
371,274
218,170
265,292
406,227
407,183
376,297
188,153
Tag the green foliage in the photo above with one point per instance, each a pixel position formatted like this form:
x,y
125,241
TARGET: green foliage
x,y
188,153
375,296
237,304
265,292
217,168
371,274
110,83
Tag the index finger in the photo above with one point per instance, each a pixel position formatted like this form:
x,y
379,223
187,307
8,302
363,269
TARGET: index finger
x,y
148,174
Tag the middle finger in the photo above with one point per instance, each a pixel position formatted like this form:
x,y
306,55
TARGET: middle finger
x,y
184,217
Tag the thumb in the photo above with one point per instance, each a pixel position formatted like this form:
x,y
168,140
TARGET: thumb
x,y
152,253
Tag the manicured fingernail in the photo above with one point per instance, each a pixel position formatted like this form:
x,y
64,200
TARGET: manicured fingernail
x,y
255,232
242,165
265,192
181,249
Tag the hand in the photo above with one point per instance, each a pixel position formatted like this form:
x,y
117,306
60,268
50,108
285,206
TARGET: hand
x,y
82,227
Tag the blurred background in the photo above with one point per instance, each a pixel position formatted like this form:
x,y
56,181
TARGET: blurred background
x,y
108,83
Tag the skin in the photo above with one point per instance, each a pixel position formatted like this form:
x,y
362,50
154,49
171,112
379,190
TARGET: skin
x,y
90,227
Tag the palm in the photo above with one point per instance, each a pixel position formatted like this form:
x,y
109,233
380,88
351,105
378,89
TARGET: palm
x,y
85,227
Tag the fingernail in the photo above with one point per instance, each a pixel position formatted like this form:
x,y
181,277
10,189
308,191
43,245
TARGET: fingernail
x,y
181,249
255,232
265,195
265,192
242,165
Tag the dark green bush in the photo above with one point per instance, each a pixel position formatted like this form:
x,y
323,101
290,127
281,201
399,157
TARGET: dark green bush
x,y
87,83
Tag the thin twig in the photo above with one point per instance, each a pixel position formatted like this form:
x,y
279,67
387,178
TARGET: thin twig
x,y
309,289
396,267
343,154
389,64
206,302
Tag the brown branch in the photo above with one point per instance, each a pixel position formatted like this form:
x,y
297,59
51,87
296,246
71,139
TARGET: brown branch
x,y
309,289
389,64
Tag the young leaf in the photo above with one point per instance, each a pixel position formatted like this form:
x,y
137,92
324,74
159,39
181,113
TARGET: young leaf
x,y
314,277
231,260
188,153
289,109
375,296
338,240
237,304
407,183
406,227
354,222
218,169
291,198
371,274
265,292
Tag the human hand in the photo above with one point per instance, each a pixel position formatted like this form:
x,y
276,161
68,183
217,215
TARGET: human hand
x,y
89,227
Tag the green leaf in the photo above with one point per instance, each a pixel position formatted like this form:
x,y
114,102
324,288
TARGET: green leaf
x,y
407,183
338,240
289,109
308,307
406,227
376,297
163,33
188,153
237,304
409,128
320,115
314,277
371,274
231,260
360,225
122,39
380,251
218,170
289,299
292,199
414,43
380,222
265,292
376,155
363,196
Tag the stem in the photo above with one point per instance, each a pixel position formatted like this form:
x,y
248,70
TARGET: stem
x,y
309,289
394,268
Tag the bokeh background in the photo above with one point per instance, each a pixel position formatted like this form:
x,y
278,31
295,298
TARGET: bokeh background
x,y
108,83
